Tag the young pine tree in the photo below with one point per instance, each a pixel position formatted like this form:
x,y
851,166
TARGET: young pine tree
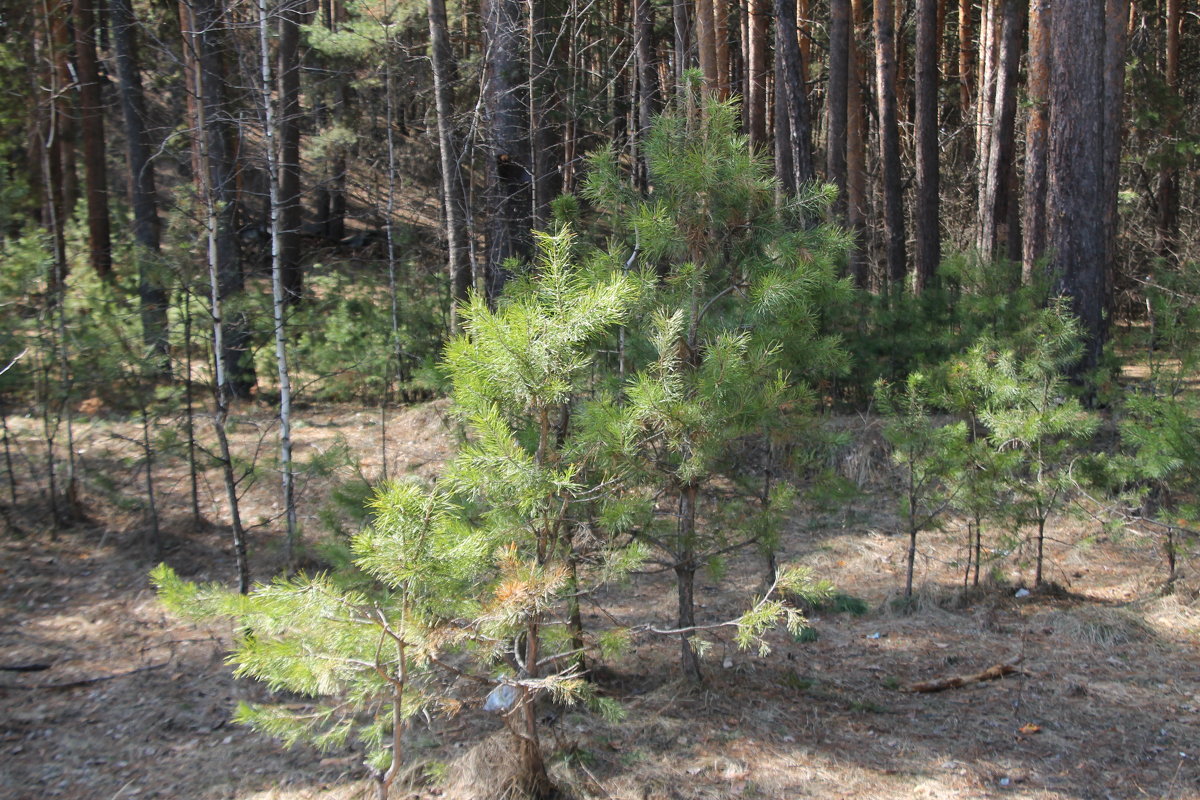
x,y
717,357
927,452
1031,417
469,575
1160,431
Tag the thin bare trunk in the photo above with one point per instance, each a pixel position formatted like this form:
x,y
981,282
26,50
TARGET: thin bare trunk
x,y
206,136
453,196
275,147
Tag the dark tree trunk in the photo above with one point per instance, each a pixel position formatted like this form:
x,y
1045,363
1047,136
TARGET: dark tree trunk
x,y
785,171
91,123
1036,131
757,56
1167,192
706,44
856,151
210,49
647,81
1115,32
966,59
889,142
839,70
143,194
683,40
544,140
453,194
509,176
66,132
1075,202
928,250
290,210
995,193
792,112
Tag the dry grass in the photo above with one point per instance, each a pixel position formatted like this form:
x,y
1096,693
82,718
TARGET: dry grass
x,y
1111,679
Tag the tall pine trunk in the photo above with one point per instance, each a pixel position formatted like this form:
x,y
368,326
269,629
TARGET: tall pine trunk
x,y
209,143
289,117
1075,202
997,155
143,194
91,123
889,143
1036,132
839,70
792,112
509,197
1167,190
856,151
926,214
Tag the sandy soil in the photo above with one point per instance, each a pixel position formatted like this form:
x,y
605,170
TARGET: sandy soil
x,y
121,701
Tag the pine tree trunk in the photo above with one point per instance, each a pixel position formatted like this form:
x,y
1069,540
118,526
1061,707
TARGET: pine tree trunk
x,y
1041,542
758,52
1075,202
508,196
1036,132
67,132
685,578
290,114
889,143
1167,191
721,33
220,181
966,59
648,95
785,170
143,194
839,70
706,43
994,191
856,151
927,212
682,30
91,123
793,111
1113,133
911,562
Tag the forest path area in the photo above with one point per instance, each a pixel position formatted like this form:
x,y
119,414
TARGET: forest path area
x,y
103,695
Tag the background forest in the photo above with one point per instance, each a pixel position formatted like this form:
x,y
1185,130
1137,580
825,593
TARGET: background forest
x,y
520,351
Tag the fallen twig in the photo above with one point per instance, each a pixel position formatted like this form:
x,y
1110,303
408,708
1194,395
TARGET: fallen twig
x,y
992,673
24,667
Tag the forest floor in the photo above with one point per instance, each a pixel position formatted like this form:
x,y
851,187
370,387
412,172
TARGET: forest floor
x,y
123,701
